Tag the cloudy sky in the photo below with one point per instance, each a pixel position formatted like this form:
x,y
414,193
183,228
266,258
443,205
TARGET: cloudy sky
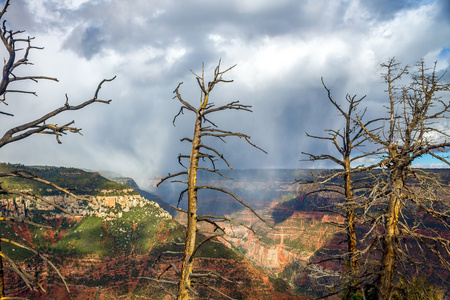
x,y
281,49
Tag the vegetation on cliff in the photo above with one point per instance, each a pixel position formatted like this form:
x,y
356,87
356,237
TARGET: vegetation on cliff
x,y
77,181
132,233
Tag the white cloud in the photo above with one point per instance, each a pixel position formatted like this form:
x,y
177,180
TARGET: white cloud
x,y
431,166
255,6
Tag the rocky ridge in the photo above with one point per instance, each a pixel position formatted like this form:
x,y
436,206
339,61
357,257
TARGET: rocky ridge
x,y
99,206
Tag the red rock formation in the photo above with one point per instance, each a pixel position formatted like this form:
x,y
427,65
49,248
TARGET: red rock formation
x,y
118,277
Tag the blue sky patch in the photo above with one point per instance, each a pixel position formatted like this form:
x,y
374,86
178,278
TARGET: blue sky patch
x,y
444,53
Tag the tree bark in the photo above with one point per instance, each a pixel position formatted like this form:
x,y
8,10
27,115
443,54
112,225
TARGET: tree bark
x,y
350,219
390,245
2,281
188,260
389,258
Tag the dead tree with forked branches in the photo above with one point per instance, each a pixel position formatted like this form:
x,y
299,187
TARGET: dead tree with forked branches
x,y
349,144
409,209
204,158
18,50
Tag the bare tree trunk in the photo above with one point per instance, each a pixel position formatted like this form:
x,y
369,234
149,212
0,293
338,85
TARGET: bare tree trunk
x,y
390,245
351,236
350,219
191,232
2,282
389,259
209,155
346,142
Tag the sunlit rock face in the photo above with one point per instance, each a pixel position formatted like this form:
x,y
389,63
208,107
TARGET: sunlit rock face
x,y
295,239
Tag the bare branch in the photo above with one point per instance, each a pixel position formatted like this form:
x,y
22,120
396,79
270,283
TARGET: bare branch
x,y
171,176
39,126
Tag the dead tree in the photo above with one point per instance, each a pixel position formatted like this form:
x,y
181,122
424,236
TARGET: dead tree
x,y
408,197
349,143
200,152
15,44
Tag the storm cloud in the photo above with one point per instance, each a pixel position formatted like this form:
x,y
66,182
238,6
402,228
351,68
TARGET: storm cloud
x,y
281,48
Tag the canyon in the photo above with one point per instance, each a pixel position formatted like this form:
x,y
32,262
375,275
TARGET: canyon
x,y
120,237
113,241
293,230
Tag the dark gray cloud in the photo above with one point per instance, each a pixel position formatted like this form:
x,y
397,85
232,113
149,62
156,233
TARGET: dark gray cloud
x,y
444,9
86,41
